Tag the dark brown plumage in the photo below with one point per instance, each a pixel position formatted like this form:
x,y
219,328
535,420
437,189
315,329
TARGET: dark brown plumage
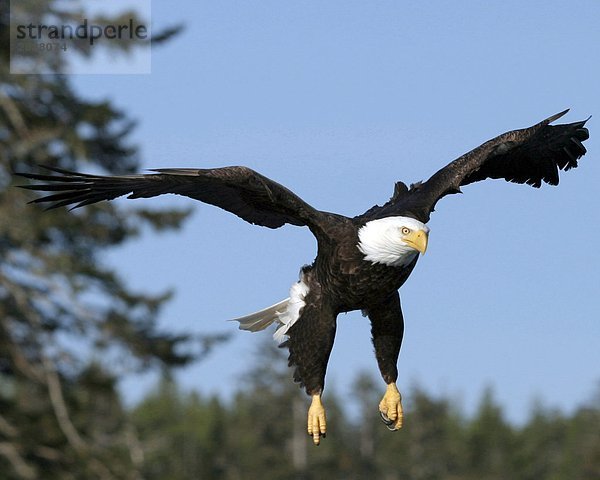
x,y
357,265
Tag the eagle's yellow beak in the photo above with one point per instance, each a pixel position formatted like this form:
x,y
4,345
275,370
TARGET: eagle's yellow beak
x,y
417,239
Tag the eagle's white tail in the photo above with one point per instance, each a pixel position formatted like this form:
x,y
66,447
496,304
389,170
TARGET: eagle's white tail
x,y
263,318
285,313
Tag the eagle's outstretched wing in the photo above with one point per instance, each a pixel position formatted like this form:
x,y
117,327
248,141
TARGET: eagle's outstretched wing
x,y
531,155
239,190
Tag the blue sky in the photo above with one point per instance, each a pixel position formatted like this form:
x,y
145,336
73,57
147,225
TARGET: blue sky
x,y
339,99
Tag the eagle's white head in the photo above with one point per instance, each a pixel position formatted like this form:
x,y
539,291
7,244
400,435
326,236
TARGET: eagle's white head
x,y
393,241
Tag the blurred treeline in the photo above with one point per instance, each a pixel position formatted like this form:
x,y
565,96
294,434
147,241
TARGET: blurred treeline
x,y
261,434
71,328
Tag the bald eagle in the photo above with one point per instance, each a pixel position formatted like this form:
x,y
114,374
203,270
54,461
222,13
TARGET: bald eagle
x,y
361,261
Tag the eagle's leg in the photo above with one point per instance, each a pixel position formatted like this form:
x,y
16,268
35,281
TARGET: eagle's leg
x,y
310,342
387,328
317,423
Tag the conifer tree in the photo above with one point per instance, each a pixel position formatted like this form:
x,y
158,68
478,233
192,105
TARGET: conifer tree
x,y
69,326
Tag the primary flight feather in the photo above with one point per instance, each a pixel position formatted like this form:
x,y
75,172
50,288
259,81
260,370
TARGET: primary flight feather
x,y
361,261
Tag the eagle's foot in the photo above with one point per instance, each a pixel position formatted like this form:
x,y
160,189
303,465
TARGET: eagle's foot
x,y
317,425
390,408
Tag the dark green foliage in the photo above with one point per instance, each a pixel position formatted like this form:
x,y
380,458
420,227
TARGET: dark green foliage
x,y
490,455
261,434
61,310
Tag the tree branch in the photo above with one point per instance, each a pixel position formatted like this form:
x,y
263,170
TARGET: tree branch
x,y
11,453
7,429
60,408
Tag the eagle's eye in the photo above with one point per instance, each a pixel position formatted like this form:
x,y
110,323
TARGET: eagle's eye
x,y
405,230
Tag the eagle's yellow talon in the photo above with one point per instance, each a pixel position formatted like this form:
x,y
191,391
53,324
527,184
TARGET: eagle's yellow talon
x,y
317,423
390,407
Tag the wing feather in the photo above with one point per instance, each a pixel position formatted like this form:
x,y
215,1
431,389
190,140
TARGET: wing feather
x,y
531,155
239,190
